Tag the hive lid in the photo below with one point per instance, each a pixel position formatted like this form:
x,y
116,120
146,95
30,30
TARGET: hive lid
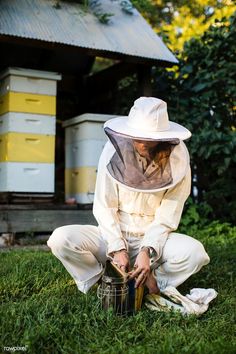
x,y
49,75
88,117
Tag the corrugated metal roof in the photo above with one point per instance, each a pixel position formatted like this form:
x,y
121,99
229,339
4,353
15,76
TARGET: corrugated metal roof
x,y
70,24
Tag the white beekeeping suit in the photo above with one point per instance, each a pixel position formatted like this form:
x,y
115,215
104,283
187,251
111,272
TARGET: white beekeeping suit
x,y
138,203
130,210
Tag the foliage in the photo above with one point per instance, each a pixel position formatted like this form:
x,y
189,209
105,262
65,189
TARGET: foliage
x,y
195,216
180,20
195,221
42,309
202,96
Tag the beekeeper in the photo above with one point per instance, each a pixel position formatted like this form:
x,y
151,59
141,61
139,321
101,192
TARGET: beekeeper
x,y
143,181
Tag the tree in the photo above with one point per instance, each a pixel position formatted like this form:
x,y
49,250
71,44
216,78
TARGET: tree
x,y
180,20
203,97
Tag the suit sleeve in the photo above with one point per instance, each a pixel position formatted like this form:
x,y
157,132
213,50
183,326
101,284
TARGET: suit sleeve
x,y
105,209
167,216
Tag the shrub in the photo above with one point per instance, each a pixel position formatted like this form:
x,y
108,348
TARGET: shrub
x,y
202,96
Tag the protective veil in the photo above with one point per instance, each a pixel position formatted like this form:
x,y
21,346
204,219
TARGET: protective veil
x,y
128,167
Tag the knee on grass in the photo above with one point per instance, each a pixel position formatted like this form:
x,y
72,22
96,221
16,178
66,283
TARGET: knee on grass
x,y
58,240
198,257
68,237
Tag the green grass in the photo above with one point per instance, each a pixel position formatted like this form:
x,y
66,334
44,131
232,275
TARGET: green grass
x,y
42,309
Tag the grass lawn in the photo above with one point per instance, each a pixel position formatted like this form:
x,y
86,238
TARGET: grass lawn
x,y
42,310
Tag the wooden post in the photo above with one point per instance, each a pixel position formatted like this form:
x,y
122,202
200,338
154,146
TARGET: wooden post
x,y
144,80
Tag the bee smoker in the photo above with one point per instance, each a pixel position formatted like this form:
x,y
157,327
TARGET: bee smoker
x,y
117,292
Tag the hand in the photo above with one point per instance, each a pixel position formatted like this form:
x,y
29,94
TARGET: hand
x,y
121,258
151,284
141,268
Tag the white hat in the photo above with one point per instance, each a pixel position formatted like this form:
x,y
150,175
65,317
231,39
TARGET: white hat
x,y
148,119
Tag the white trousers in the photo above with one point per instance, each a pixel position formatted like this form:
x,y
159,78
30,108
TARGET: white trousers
x,y
82,251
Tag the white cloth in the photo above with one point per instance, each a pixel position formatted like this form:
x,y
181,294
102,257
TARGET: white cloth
x,y
202,296
195,304
82,250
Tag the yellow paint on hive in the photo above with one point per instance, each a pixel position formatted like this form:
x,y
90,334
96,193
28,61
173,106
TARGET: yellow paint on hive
x,y
80,180
27,103
21,147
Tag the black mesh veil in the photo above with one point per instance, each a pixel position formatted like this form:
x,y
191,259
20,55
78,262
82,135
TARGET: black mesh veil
x,y
129,168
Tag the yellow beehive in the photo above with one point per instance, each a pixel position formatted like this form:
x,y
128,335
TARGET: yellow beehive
x,y
20,147
80,183
28,103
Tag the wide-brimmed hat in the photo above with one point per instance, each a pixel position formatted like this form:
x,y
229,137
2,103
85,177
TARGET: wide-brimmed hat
x,y
148,119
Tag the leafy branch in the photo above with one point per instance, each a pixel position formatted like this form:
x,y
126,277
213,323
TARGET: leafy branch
x,y
96,8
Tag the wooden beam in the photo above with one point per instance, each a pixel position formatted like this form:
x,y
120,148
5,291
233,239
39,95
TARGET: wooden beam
x,y
88,51
106,78
13,221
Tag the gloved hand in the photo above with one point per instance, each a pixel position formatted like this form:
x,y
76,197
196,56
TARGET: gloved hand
x,y
121,259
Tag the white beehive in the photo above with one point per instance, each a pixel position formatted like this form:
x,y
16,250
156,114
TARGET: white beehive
x,y
27,177
85,139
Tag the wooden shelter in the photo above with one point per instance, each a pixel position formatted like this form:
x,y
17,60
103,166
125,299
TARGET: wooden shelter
x,y
66,38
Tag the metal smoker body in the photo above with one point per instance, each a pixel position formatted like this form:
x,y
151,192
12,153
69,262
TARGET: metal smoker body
x,y
117,292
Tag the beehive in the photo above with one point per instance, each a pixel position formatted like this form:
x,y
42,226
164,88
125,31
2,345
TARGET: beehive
x,y
85,139
27,130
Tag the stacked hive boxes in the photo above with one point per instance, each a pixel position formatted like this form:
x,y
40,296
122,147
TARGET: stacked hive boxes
x,y
85,140
27,130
